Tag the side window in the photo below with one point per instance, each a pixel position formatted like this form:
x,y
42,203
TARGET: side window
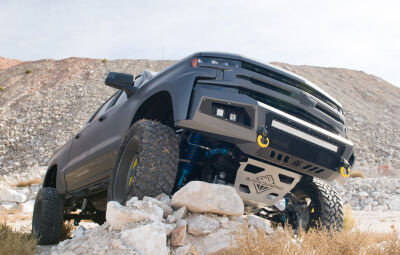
x,y
104,107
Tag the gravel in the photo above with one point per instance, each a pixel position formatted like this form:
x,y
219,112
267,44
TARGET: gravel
x,y
377,194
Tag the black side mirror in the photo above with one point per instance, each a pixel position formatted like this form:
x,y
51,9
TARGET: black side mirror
x,y
121,81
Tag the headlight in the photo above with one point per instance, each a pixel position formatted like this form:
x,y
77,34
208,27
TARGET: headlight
x,y
217,62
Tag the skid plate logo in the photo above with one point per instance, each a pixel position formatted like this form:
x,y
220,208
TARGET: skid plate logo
x,y
263,183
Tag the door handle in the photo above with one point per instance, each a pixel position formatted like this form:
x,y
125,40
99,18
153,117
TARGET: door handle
x,y
102,117
77,135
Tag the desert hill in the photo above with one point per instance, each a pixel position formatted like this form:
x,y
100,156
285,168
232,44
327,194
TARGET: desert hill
x,y
8,62
44,102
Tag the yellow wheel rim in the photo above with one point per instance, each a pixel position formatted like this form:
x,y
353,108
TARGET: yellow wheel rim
x,y
133,167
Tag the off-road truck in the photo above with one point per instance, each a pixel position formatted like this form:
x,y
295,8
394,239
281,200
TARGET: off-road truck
x,y
215,117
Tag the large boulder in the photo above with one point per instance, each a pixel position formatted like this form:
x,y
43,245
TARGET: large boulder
x,y
147,239
203,197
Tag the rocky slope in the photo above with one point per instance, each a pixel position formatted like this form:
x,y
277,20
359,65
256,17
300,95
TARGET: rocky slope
x,y
8,62
41,109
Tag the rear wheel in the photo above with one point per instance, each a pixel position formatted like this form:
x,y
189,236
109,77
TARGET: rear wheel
x,y
48,214
317,204
147,163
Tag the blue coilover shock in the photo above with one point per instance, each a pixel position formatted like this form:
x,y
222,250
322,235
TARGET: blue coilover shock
x,y
190,155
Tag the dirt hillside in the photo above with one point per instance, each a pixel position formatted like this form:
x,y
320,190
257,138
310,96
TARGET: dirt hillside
x,y
43,103
8,62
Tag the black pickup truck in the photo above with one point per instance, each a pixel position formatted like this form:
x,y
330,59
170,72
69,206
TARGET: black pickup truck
x,y
215,117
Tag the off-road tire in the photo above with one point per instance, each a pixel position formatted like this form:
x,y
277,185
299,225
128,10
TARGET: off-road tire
x,y
327,204
48,215
157,150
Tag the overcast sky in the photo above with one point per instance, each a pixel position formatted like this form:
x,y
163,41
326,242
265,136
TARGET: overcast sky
x,y
361,34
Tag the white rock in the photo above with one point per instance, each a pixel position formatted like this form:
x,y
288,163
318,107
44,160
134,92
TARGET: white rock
x,y
180,214
134,202
79,232
164,198
12,195
394,204
118,215
117,244
184,250
178,237
202,225
260,223
167,210
224,221
154,212
34,190
7,206
363,195
171,219
147,239
215,243
169,228
27,207
25,191
201,197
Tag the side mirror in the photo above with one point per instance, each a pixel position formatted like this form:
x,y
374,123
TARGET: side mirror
x,y
121,81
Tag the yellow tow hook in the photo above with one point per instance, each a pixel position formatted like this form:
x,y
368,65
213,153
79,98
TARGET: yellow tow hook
x,y
262,138
345,168
345,171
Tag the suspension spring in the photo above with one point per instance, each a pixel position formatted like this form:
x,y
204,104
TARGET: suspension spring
x,y
191,152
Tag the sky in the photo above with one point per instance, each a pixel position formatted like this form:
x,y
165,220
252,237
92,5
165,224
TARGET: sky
x,y
356,34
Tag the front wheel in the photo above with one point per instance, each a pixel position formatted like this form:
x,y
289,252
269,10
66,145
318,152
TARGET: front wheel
x,y
147,163
48,215
316,204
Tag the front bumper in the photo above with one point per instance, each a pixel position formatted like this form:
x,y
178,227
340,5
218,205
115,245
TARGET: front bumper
x,y
294,145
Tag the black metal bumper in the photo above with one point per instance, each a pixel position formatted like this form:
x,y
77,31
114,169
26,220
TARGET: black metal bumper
x,y
294,144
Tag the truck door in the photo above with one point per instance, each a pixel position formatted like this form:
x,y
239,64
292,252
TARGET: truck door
x,y
95,147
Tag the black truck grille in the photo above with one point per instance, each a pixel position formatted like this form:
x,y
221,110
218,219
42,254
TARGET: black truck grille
x,y
288,80
290,109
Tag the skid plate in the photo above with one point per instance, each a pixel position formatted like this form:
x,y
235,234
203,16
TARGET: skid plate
x,y
262,184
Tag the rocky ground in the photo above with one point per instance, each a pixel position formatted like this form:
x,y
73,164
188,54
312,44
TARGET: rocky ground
x,y
371,194
185,224
161,225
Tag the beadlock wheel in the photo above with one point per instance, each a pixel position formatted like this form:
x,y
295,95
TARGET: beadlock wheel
x,y
324,207
147,163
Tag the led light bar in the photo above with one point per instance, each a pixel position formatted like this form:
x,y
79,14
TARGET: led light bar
x,y
302,135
